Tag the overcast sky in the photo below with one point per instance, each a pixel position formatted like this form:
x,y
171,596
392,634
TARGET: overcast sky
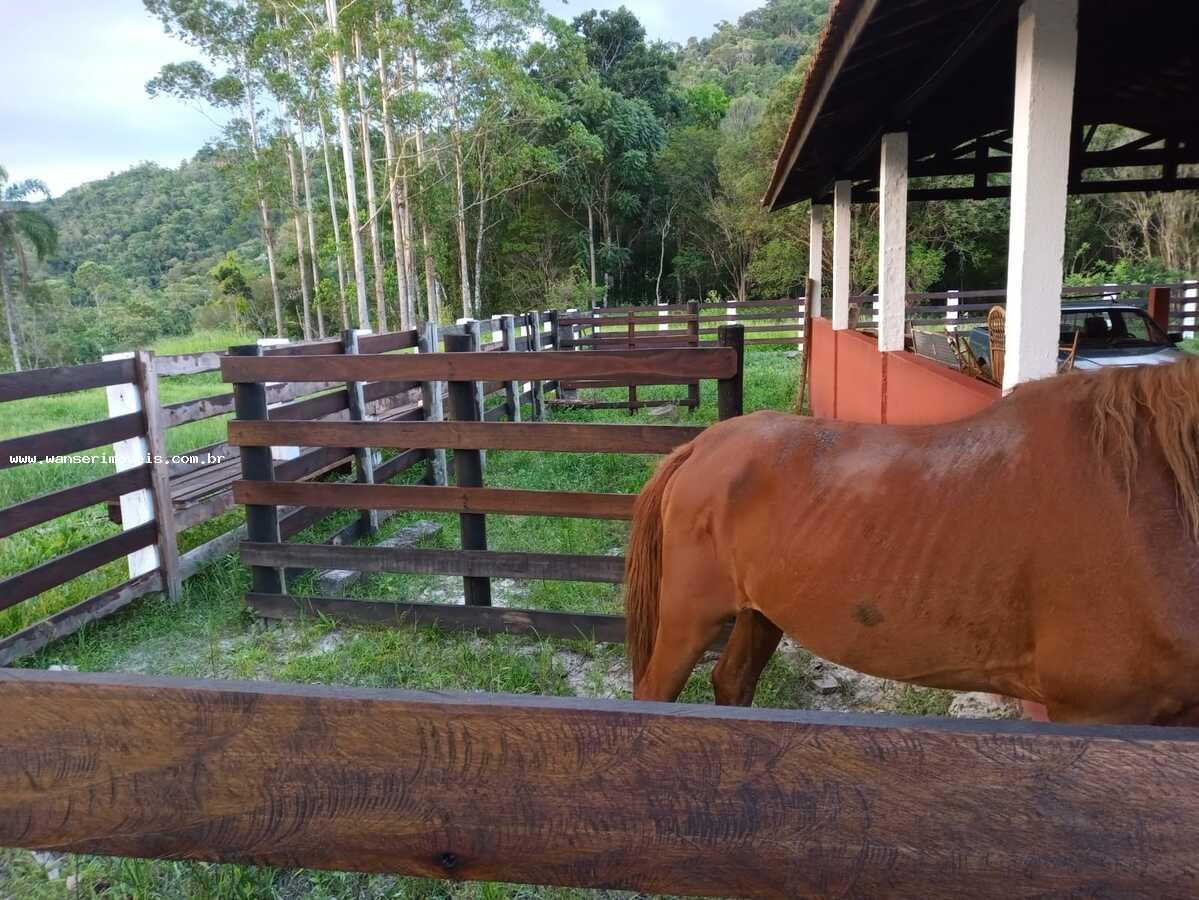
x,y
74,107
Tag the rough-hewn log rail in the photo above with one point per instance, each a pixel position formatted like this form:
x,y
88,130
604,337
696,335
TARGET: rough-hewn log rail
x,y
554,437
427,498
716,362
675,799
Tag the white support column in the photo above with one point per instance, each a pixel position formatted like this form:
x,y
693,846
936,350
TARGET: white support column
x,y
137,508
841,238
663,321
1046,54
951,310
816,252
892,241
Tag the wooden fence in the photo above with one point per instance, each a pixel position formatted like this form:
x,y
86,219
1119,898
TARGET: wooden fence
x,y
673,799
155,497
691,324
149,543
469,431
970,308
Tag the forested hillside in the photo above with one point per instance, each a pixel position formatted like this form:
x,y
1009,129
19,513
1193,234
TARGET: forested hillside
x,y
150,224
389,162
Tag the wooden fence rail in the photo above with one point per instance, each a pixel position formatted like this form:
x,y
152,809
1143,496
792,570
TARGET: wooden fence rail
x,y
264,489
674,799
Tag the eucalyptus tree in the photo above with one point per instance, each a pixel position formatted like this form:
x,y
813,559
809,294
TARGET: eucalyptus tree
x,y
334,45
20,224
368,172
280,76
387,33
229,34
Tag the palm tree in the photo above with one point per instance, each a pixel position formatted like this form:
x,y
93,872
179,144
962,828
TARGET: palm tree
x,y
20,223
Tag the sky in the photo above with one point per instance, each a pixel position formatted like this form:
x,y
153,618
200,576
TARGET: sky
x,y
75,109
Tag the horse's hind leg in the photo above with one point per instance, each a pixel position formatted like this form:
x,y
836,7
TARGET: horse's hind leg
x,y
752,643
695,603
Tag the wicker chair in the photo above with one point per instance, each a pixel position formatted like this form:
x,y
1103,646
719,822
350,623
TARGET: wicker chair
x,y
996,326
1071,349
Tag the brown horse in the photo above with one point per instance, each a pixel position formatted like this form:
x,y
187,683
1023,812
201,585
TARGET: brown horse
x,y
1047,548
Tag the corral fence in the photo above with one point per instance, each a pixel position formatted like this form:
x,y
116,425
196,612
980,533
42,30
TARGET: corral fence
x,y
691,324
1176,304
469,431
155,496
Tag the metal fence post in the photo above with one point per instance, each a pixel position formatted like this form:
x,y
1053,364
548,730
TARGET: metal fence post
x,y
433,404
364,457
468,467
257,464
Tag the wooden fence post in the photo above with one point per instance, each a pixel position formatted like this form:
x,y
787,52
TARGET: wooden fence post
x,y
534,323
805,363
693,341
1159,307
433,404
513,389
562,335
140,507
364,457
730,392
632,336
257,464
468,466
160,474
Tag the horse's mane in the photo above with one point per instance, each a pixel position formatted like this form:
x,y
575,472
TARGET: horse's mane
x,y
1157,402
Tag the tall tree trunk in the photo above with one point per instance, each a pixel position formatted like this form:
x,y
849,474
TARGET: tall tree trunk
x,y
268,234
406,207
372,207
393,193
333,214
305,291
430,269
591,241
289,119
10,314
480,232
347,159
662,256
460,220
313,261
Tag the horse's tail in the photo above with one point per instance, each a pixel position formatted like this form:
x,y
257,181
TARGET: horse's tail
x,y
643,564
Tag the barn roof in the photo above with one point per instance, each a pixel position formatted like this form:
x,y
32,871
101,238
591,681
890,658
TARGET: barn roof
x,y
943,70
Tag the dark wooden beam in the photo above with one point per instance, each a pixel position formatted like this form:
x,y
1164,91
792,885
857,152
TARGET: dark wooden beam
x,y
675,799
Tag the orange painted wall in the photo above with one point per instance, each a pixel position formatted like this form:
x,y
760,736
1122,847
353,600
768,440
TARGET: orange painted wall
x,y
851,380
859,378
823,394
922,392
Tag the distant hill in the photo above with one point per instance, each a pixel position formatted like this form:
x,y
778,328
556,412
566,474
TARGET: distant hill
x,y
152,224
751,56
